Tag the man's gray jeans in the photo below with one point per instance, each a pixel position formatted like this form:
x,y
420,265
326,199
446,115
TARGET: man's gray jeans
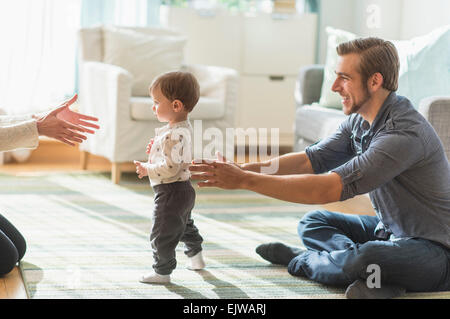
x,y
341,247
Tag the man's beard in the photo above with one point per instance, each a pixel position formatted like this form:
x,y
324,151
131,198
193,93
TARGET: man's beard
x,y
357,106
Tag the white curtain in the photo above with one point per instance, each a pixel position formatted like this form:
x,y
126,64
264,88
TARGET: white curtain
x,y
37,55
132,13
120,12
39,44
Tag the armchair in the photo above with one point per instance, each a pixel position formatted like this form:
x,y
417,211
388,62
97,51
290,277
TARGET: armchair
x,y
127,122
436,109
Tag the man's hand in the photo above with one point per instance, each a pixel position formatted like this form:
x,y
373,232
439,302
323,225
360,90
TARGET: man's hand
x,y
65,125
218,173
141,170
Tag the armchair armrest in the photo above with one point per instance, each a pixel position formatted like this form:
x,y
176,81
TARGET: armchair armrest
x,y
102,84
436,109
105,92
309,84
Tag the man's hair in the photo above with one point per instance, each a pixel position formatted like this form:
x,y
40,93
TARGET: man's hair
x,y
376,55
179,85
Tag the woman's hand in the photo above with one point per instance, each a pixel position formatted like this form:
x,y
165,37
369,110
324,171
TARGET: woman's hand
x,y
65,125
66,114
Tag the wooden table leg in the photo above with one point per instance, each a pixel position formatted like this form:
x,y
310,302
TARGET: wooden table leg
x,y
115,173
84,160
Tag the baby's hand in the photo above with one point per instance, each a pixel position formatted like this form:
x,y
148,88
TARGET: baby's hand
x,y
149,146
140,169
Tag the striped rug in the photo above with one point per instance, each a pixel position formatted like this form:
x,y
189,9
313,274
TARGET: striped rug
x,y
88,238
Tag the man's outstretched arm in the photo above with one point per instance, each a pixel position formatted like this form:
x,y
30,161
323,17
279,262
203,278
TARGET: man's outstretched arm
x,y
305,189
292,163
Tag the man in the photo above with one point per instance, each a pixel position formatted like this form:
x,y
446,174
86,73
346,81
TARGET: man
x,y
384,148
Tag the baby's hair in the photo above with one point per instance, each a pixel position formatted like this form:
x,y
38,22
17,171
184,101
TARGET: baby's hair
x,y
179,85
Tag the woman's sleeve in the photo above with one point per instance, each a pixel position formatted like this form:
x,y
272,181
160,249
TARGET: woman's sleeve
x,y
19,135
8,120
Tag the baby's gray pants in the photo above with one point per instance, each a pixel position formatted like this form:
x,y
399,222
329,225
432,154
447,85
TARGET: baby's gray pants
x,y
172,223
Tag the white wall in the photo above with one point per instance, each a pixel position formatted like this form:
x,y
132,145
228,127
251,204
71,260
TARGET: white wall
x,y
335,13
390,19
423,16
379,18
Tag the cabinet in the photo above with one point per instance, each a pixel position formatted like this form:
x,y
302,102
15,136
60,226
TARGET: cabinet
x,y
267,102
267,51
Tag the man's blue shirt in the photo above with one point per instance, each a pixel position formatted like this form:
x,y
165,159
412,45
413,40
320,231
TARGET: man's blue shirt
x,y
400,161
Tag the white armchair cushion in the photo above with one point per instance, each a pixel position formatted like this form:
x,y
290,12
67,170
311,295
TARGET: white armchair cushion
x,y
206,109
91,40
145,56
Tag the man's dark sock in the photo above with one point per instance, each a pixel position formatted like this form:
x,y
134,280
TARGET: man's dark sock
x,y
296,265
278,253
359,290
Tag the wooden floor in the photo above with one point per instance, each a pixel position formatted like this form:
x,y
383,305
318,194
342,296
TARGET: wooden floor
x,y
55,156
11,286
50,156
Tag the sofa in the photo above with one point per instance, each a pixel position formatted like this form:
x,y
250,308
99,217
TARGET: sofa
x,y
314,122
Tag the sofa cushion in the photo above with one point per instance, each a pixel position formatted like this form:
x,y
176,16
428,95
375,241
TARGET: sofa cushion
x,y
329,98
144,56
424,65
314,122
206,109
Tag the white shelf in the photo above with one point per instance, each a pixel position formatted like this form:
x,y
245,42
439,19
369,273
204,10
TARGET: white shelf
x,y
278,46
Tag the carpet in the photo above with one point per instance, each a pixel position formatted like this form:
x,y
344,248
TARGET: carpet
x,y
88,238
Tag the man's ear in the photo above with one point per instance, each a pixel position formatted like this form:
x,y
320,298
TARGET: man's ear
x,y
375,82
177,105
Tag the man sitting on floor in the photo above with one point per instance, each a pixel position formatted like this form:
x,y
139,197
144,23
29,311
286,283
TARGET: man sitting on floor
x,y
384,148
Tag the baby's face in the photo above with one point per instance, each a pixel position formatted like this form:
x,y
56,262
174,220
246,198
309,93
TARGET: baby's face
x,y
162,106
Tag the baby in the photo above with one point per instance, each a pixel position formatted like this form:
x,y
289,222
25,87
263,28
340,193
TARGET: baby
x,y
174,95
